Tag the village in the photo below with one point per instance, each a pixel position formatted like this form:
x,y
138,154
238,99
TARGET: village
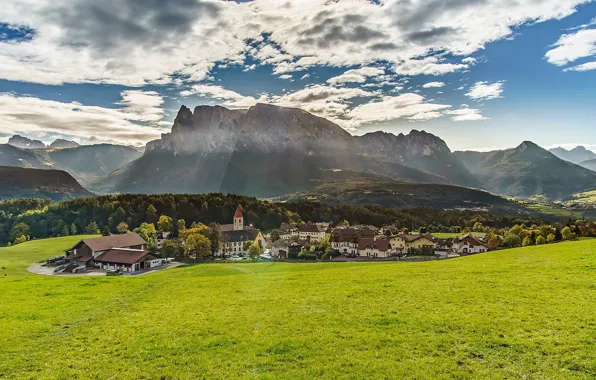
x,y
133,252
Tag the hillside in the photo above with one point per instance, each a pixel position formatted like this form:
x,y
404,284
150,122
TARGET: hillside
x,y
441,319
381,192
87,163
526,171
589,164
35,183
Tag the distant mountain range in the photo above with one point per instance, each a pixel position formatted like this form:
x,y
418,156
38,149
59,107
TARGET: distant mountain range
x,y
57,185
526,171
87,163
576,155
270,151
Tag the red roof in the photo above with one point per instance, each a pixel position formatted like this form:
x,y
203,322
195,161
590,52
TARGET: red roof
x,y
238,213
124,256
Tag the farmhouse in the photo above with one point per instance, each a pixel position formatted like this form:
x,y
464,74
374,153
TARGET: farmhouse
x,y
311,232
346,240
468,244
235,236
125,252
374,248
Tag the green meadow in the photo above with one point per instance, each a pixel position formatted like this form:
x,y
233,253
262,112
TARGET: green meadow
x,y
522,313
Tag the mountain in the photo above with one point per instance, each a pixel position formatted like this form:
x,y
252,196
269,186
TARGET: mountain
x,y
527,170
382,192
25,143
575,155
589,164
86,163
11,155
36,183
263,151
89,163
61,143
419,150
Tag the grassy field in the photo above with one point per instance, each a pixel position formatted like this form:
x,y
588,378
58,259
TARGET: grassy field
x,y
445,235
523,313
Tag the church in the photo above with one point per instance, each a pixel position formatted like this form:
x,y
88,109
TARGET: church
x,y
235,236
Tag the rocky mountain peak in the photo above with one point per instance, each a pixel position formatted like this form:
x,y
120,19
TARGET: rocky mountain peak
x,y
62,143
25,143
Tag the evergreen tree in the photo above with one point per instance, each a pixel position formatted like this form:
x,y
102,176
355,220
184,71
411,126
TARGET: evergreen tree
x,y
73,229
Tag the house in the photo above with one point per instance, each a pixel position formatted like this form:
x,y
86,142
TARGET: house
x,y
287,231
127,260
468,244
87,249
126,252
311,233
346,240
161,236
235,236
416,243
369,247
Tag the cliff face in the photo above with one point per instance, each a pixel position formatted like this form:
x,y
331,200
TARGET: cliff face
x,y
262,128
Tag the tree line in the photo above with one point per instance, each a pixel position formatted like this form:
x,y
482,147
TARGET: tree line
x,y
40,218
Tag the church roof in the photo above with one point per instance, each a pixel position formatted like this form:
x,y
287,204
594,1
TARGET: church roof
x,y
238,213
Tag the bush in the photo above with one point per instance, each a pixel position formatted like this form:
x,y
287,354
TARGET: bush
x,y
307,256
540,240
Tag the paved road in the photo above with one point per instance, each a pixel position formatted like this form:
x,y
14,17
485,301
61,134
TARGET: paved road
x,y
37,268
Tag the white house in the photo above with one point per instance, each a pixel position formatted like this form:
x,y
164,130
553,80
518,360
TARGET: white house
x,y
311,232
375,248
468,244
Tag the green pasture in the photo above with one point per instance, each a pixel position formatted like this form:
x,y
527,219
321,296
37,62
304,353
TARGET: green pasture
x,y
521,313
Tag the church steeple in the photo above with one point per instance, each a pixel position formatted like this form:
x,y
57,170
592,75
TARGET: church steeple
x,y
238,219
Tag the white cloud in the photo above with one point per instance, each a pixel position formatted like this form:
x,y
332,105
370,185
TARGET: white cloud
x,y
305,76
465,114
133,43
571,47
34,116
485,90
285,76
357,75
411,106
433,85
229,98
583,67
469,61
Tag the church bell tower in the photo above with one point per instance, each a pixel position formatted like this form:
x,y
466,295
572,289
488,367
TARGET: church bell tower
x,y
238,220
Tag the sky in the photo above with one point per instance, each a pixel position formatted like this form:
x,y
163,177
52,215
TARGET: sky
x,y
480,74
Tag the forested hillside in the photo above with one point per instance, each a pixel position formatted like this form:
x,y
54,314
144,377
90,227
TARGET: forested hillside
x,y
45,219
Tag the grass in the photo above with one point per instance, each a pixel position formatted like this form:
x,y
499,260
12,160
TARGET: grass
x,y
585,197
446,235
522,313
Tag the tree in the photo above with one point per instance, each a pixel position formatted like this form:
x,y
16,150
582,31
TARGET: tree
x,y
180,226
558,234
105,231
148,233
214,236
151,214
550,238
254,251
18,230
165,223
566,233
344,223
511,240
540,240
122,228
196,245
170,248
64,231
246,246
517,230
73,229
92,229
20,239
527,241
274,235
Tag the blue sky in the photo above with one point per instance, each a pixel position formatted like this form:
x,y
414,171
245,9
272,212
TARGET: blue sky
x,y
481,75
